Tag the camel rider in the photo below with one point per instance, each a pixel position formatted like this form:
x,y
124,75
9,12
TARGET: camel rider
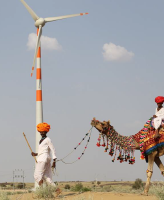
x,y
43,171
159,115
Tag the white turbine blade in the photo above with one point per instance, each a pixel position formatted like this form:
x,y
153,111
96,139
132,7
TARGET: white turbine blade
x,y
50,19
36,48
32,13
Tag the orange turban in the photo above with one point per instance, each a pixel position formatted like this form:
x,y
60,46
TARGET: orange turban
x,y
159,99
43,127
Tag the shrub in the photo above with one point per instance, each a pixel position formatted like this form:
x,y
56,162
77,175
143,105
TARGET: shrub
x,y
137,184
78,187
85,189
19,192
157,189
107,188
3,196
3,185
20,185
67,186
98,182
9,193
45,192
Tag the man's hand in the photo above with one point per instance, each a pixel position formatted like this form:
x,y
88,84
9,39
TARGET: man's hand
x,y
34,154
154,116
54,164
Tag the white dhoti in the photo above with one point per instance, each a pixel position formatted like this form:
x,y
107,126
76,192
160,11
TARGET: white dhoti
x,y
43,172
43,169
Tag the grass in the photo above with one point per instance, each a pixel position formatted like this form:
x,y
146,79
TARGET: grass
x,y
157,189
80,188
45,192
4,196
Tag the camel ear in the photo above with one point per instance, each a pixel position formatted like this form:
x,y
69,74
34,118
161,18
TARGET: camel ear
x,y
108,121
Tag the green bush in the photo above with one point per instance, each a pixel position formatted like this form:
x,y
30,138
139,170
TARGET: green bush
x,y
67,186
157,189
78,187
3,185
98,182
85,189
4,196
9,193
45,192
107,188
19,192
20,185
138,184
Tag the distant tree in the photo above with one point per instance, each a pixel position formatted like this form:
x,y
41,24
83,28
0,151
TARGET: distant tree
x,y
98,182
3,184
67,186
20,185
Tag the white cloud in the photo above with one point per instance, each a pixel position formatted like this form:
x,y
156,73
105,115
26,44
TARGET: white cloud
x,y
47,43
112,52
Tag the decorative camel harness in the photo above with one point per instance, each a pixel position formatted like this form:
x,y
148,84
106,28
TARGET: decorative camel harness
x,y
126,144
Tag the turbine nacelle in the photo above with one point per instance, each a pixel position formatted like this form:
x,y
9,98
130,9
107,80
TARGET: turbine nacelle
x,y
40,22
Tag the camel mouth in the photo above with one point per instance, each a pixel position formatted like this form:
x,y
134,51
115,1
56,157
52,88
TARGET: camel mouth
x,y
94,122
102,127
97,124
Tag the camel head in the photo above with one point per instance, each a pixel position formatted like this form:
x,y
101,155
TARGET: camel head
x,y
102,127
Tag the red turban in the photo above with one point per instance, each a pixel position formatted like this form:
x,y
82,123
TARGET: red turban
x,y
159,99
43,127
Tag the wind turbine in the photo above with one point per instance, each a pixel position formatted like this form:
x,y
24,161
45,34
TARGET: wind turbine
x,y
39,23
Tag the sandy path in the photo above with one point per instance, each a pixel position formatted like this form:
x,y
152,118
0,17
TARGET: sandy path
x,y
112,196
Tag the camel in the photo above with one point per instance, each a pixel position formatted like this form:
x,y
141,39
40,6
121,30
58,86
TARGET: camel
x,y
107,130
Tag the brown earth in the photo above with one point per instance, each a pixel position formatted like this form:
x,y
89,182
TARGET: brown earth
x,y
114,190
92,196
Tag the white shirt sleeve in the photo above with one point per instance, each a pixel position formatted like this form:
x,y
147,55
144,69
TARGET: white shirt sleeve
x,y
51,146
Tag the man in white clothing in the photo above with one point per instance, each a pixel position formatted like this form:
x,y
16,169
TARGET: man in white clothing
x,y
159,115
43,171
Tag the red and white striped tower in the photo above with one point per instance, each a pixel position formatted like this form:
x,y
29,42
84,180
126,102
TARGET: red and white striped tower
x,y
39,104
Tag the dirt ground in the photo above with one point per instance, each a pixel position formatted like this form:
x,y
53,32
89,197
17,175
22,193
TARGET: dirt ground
x,y
91,196
116,191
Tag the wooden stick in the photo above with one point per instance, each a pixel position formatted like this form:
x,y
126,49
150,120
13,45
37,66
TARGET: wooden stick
x,y
29,146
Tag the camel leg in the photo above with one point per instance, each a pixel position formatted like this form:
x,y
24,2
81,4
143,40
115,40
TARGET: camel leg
x,y
149,171
159,164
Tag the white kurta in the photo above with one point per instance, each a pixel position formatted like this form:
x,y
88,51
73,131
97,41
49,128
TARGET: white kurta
x,y
43,166
158,119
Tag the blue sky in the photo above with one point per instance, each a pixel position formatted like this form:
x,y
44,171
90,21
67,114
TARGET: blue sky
x,y
78,83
